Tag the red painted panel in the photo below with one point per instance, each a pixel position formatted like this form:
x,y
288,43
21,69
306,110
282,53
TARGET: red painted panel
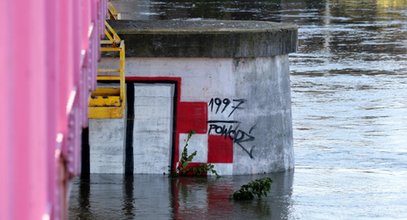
x,y
220,149
219,194
192,116
192,165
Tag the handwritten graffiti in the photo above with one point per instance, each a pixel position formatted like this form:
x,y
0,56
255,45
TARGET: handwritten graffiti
x,y
230,128
216,104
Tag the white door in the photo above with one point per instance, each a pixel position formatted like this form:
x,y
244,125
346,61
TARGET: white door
x,y
153,127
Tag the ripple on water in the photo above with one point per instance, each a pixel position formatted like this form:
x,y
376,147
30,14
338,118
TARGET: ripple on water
x,y
349,105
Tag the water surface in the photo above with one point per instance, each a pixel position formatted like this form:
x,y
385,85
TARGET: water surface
x,y
349,104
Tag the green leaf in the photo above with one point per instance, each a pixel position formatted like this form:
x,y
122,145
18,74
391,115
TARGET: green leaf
x,y
258,188
186,159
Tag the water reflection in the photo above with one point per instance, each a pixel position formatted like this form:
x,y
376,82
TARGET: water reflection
x,y
335,36
160,197
349,92
83,199
128,198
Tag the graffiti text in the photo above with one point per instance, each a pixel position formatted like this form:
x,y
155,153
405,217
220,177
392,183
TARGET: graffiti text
x,y
218,105
230,129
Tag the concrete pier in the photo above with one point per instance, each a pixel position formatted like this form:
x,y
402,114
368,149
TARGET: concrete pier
x,y
226,80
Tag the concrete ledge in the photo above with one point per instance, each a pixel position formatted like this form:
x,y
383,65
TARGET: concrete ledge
x,y
214,39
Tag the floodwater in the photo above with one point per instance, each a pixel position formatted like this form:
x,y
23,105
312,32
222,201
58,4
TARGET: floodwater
x,y
349,94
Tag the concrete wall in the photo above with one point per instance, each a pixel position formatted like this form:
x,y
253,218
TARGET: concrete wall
x,y
106,141
226,80
248,107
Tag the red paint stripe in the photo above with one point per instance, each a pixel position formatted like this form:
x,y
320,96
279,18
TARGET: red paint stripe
x,y
220,149
192,116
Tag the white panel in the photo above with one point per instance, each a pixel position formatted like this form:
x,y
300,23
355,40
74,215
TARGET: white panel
x,y
223,169
106,140
202,78
153,116
198,143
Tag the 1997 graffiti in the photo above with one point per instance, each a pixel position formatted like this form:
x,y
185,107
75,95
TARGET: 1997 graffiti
x,y
230,128
216,104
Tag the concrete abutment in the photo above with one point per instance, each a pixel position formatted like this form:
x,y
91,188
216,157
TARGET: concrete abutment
x,y
226,80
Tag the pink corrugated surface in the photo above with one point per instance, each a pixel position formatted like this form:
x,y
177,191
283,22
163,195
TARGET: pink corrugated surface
x,y
48,59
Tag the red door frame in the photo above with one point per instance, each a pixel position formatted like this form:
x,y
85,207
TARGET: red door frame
x,y
176,81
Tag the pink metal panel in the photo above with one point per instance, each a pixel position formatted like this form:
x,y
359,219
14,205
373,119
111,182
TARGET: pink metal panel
x,y
85,9
76,44
52,76
28,135
85,92
85,41
46,72
74,113
5,117
95,55
65,60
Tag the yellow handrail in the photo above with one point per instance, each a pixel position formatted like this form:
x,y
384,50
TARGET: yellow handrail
x,y
110,102
113,14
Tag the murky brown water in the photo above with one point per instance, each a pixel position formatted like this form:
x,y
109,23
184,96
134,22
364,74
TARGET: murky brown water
x,y
349,91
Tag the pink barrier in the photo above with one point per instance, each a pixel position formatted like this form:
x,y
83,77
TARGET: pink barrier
x,y
48,60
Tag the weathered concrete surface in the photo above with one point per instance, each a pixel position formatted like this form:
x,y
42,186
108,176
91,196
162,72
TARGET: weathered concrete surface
x,y
237,71
235,39
263,83
106,141
153,127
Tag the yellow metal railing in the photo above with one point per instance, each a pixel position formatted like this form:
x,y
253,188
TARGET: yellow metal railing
x,y
108,101
113,14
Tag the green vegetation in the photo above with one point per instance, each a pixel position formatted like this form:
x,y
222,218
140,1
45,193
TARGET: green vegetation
x,y
184,170
258,187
